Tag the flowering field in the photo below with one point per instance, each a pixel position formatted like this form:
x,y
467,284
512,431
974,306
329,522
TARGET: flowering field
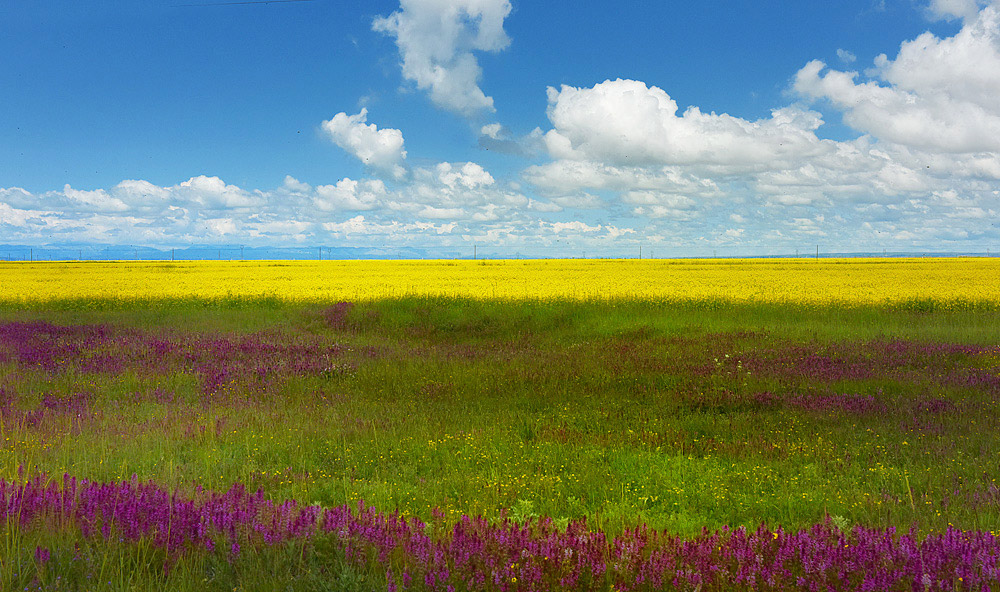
x,y
951,281
749,440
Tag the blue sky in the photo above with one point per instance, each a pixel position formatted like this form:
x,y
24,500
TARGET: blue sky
x,y
750,127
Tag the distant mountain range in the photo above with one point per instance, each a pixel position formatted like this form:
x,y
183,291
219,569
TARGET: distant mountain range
x,y
91,252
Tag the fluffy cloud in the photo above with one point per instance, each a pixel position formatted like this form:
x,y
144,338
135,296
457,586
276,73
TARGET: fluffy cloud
x,y
846,56
937,95
624,122
626,164
456,204
436,39
576,225
442,213
569,176
655,204
952,9
499,139
927,157
459,191
13,217
381,149
491,130
350,195
98,200
434,200
214,194
359,227
470,175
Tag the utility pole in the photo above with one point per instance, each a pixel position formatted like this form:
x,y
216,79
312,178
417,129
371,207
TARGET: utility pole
x,y
817,252
31,255
320,253
241,253
640,251
171,255
475,255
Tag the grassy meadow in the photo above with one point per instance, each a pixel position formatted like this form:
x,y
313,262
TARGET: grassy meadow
x,y
571,438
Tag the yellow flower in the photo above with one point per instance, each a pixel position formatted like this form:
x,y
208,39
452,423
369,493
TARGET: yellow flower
x,y
944,282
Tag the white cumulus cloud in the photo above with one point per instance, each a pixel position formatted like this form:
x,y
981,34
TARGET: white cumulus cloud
x,y
436,41
381,149
469,175
97,200
348,194
626,122
927,157
491,130
937,94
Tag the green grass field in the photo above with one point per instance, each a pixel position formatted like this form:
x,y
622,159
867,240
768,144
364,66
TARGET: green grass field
x,y
677,416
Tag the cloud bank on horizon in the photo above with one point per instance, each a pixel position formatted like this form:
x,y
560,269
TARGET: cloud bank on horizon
x,y
617,162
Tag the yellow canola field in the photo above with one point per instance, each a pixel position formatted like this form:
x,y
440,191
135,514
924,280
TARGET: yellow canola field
x,y
948,281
